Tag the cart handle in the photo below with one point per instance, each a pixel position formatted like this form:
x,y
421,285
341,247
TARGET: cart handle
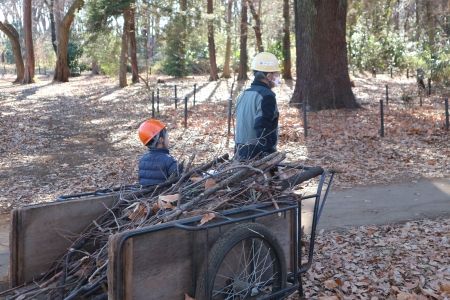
x,y
310,172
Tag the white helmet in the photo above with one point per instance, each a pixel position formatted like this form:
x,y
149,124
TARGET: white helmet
x,y
265,62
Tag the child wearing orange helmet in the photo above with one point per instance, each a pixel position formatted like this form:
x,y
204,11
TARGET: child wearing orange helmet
x,y
157,165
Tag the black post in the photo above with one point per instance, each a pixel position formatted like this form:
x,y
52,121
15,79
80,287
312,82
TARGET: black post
x,y
195,91
45,70
429,86
391,72
382,118
446,113
153,104
4,70
231,93
407,73
305,126
175,97
15,71
420,98
387,95
157,101
39,67
230,103
185,112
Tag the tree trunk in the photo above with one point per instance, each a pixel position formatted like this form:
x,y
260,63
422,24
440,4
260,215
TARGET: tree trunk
x,y
226,67
322,70
418,8
431,29
94,67
133,46
124,52
13,36
57,14
53,26
28,38
257,27
62,69
286,42
213,74
243,44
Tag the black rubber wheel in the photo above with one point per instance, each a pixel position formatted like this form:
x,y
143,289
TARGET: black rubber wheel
x,y
247,262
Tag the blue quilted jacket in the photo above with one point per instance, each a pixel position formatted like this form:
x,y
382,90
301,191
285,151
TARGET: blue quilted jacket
x,y
256,121
156,166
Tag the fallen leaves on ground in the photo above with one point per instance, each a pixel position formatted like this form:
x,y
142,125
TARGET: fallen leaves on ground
x,y
393,261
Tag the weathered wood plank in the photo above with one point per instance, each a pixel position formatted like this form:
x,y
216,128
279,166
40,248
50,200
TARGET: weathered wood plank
x,y
41,233
165,263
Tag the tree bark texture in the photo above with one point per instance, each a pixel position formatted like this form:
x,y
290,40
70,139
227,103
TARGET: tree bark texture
x,y
124,52
62,71
57,14
287,65
243,44
53,27
322,70
94,67
431,29
28,38
13,36
133,46
213,74
226,66
257,27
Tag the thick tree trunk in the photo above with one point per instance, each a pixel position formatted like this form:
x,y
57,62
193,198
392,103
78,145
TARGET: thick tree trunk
x,y
322,71
94,67
213,74
13,36
124,52
257,27
243,44
28,37
226,67
62,69
286,42
133,46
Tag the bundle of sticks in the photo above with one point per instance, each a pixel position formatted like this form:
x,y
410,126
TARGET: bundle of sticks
x,y
197,191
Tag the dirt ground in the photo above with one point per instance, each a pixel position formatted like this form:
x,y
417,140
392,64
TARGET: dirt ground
x,y
81,136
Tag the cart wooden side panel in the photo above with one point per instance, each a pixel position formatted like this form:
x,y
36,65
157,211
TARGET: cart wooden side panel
x,y
40,233
163,264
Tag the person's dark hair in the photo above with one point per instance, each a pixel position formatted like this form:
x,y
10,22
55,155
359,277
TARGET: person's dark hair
x,y
154,141
260,75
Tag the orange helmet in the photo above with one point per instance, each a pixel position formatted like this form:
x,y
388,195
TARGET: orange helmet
x,y
149,129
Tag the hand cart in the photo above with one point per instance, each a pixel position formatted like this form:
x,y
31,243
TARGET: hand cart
x,y
252,252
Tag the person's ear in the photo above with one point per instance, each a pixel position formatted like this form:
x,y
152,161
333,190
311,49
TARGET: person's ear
x,y
160,140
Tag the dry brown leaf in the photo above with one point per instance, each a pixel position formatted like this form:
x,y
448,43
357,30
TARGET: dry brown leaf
x,y
330,284
195,178
209,183
169,198
206,218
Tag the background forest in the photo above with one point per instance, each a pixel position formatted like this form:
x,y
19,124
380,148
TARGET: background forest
x,y
178,38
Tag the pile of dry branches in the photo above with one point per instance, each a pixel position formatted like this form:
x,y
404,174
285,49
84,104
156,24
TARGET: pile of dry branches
x,y
197,191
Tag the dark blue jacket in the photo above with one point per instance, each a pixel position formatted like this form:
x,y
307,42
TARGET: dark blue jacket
x,y
156,166
256,121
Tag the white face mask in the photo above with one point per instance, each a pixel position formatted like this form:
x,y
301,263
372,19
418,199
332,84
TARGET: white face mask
x,y
276,82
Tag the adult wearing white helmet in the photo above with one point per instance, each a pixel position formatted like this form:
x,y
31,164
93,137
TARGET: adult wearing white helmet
x,y
257,111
